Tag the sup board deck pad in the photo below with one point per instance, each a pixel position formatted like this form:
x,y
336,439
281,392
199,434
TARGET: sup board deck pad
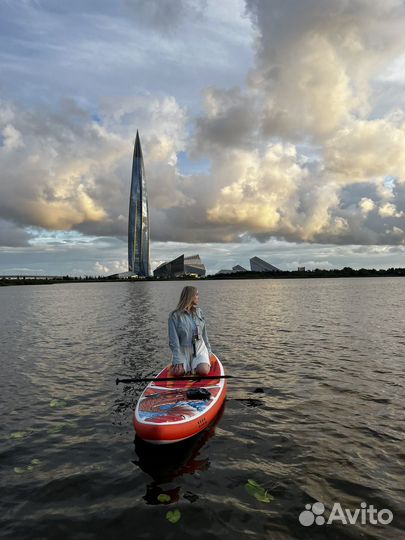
x,y
164,407
176,415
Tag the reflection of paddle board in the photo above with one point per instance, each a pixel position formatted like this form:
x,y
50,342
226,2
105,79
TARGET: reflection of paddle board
x,y
168,412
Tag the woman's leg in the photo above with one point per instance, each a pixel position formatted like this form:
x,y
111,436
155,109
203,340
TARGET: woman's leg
x,y
202,368
201,363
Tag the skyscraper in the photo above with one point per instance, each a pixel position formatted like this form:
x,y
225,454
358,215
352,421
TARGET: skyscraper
x,y
138,221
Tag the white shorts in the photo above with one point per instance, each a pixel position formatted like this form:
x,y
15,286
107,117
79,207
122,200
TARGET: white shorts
x,y
192,361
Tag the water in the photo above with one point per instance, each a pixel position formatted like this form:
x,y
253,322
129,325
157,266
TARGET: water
x,y
328,427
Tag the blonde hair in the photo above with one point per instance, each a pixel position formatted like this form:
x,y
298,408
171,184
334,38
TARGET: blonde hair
x,y
186,298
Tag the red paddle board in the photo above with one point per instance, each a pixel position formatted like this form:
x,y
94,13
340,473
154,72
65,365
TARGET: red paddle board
x,y
165,413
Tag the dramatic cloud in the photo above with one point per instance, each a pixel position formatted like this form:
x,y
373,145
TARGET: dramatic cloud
x,y
63,170
313,96
316,60
366,149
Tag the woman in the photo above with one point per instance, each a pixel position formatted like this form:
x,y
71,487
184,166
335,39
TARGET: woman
x,y
188,338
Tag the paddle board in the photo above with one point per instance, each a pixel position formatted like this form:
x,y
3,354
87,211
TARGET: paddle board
x,y
171,411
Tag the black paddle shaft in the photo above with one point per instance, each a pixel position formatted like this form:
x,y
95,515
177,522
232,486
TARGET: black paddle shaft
x,y
190,378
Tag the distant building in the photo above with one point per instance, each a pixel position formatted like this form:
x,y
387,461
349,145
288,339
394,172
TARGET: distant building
x,y
258,265
181,266
225,271
239,268
193,265
124,275
301,269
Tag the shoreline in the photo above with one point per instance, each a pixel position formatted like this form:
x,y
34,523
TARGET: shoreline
x,y
310,274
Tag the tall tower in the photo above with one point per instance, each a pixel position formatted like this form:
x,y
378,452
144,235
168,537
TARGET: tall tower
x,y
138,222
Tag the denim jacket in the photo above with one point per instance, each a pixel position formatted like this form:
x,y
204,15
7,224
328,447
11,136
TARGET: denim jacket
x,y
181,333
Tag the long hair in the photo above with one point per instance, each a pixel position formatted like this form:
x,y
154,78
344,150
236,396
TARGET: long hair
x,y
186,297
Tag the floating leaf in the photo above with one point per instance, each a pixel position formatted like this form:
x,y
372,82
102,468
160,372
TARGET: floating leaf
x,y
19,434
30,468
35,461
163,498
173,516
19,470
253,483
258,492
58,403
57,428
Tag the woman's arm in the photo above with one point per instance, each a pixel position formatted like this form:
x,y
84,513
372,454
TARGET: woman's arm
x,y
174,343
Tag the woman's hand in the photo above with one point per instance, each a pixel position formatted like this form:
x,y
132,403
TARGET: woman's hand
x,y
178,370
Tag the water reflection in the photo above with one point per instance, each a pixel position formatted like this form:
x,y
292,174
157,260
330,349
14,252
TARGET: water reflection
x,y
165,463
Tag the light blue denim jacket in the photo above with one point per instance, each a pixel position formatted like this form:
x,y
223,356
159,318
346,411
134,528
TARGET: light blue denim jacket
x,y
181,333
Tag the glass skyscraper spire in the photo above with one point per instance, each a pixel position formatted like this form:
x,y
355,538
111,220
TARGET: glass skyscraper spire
x,y
138,222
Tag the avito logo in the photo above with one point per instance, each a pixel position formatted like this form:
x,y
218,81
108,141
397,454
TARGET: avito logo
x,y
365,514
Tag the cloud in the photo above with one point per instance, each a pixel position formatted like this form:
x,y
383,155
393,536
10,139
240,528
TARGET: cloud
x,y
305,144
366,149
12,235
164,15
316,61
389,210
366,205
228,121
12,138
63,170
286,147
121,48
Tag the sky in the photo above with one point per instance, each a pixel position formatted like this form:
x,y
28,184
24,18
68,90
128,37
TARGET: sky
x,y
270,128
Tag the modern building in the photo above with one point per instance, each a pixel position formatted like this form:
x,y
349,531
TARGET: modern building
x,y
181,266
193,265
238,268
138,221
258,265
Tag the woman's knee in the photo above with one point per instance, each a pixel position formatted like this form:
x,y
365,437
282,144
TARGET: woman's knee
x,y
202,369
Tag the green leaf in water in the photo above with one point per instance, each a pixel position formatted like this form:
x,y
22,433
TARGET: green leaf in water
x,y
173,516
19,470
35,461
57,428
253,483
258,492
163,498
58,403
30,468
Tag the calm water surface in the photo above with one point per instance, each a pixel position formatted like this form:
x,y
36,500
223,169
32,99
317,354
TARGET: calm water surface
x,y
328,427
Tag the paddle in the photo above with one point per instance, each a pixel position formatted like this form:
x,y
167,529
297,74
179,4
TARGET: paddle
x,y
190,378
